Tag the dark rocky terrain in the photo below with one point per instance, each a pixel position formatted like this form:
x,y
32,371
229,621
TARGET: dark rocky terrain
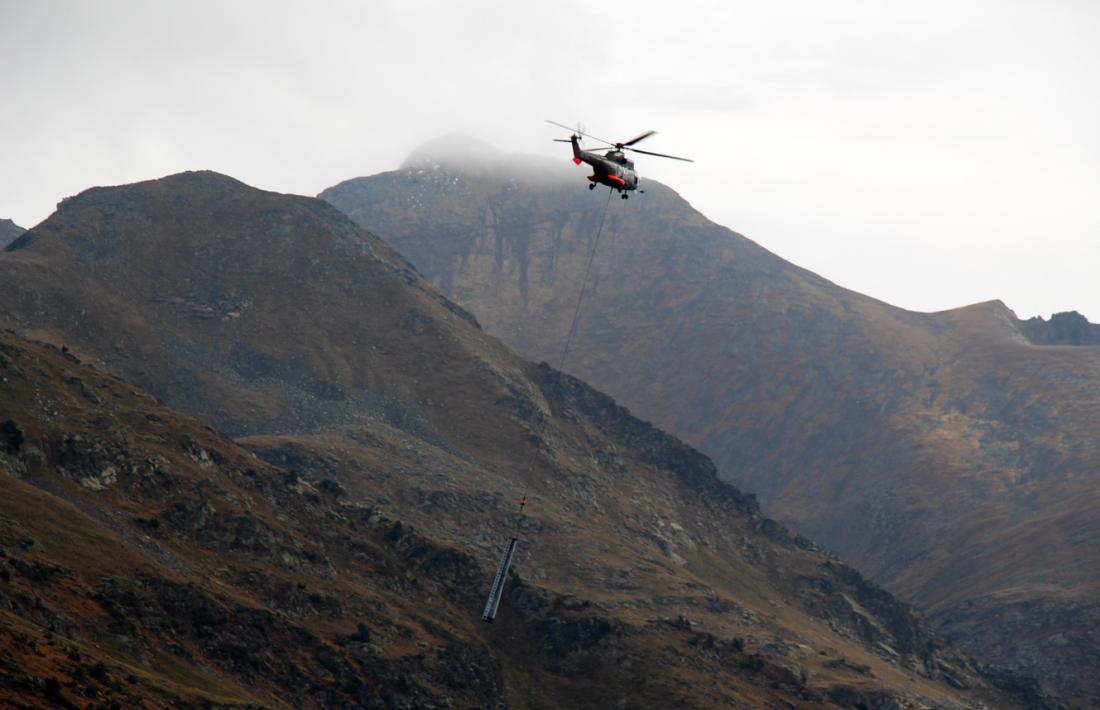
x,y
952,456
1070,328
338,551
9,232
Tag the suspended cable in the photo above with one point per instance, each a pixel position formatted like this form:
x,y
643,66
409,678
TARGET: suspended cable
x,y
497,589
584,285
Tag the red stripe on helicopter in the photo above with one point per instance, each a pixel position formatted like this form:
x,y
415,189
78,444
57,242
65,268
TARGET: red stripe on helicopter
x,y
578,161
617,180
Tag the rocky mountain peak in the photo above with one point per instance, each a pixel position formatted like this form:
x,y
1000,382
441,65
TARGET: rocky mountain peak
x,y
9,232
1066,328
882,433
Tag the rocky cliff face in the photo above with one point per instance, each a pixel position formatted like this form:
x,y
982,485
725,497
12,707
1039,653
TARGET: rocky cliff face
x,y
944,453
9,232
1069,328
339,550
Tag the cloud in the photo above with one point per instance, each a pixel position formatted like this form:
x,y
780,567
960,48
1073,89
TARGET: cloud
x,y
855,138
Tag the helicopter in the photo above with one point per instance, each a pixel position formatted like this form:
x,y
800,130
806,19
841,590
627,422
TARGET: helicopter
x,y
612,168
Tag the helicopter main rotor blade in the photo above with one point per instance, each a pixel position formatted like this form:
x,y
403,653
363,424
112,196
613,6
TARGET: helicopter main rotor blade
x,y
638,138
578,131
661,155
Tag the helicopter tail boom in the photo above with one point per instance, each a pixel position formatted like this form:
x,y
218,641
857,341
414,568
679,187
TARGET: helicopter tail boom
x,y
576,141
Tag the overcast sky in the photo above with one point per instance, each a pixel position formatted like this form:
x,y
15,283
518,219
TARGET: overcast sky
x,y
930,154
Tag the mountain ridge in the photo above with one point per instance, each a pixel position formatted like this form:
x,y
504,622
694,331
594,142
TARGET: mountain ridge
x,y
365,405
841,412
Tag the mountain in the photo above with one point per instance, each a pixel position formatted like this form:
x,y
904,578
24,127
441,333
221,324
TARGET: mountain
x,y
9,232
338,550
148,561
951,455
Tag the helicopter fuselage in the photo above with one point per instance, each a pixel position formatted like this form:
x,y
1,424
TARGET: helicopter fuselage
x,y
612,169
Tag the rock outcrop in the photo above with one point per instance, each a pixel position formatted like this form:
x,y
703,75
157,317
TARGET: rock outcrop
x,y
1068,328
9,232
